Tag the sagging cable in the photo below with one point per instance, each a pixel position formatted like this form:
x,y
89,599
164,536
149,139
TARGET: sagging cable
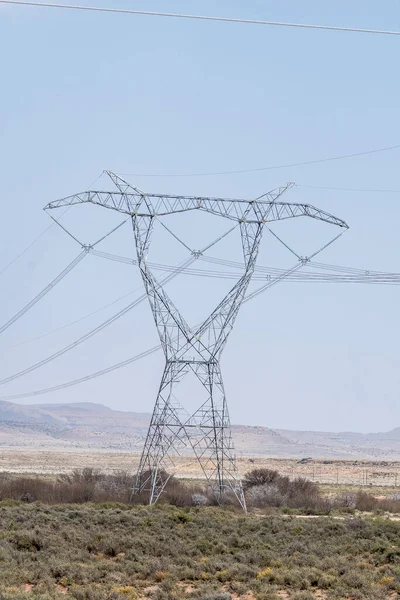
x,y
45,291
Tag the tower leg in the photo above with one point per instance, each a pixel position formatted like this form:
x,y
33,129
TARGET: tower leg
x,y
165,436
207,432
213,444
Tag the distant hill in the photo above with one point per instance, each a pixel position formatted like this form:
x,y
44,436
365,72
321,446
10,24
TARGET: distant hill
x,y
86,425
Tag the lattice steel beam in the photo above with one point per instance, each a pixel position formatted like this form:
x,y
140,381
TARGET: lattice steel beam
x,y
156,205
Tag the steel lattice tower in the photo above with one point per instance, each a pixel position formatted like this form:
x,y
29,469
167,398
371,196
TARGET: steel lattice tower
x,y
198,350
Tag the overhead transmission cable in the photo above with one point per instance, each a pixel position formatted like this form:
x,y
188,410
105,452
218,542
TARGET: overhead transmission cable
x,y
194,256
7,266
45,290
131,360
344,189
62,386
94,331
349,275
71,323
342,274
202,17
29,246
273,281
270,167
148,352
74,263
119,365
115,317
328,267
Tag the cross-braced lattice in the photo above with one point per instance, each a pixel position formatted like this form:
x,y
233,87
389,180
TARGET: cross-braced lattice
x,y
196,350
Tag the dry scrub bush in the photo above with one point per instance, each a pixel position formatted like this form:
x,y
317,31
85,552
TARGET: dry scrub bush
x,y
176,492
365,502
80,486
91,485
368,503
265,488
257,477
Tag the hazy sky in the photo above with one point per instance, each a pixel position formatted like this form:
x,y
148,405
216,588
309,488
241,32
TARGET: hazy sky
x,y
83,92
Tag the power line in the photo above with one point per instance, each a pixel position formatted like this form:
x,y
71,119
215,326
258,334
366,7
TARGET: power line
x,y
203,17
343,189
29,246
91,314
365,276
173,270
60,276
4,269
356,276
343,274
94,331
67,384
269,168
128,361
173,273
45,290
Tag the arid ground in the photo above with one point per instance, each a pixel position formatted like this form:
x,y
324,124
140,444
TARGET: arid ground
x,y
383,474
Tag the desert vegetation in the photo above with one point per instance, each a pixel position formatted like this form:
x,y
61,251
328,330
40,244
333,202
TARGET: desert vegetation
x,y
119,551
79,537
264,489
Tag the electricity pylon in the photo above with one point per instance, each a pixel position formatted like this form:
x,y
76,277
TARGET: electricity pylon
x,y
193,350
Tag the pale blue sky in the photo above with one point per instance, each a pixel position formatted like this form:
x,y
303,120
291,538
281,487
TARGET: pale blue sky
x,y
83,92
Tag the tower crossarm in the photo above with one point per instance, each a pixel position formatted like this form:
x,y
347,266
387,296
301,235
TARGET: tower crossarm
x,y
263,210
